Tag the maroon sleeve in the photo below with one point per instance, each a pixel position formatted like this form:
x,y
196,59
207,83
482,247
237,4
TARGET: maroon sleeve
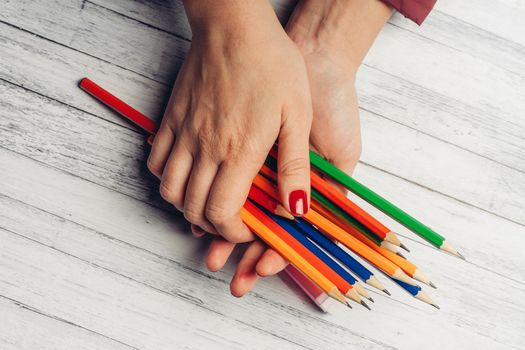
x,y
416,10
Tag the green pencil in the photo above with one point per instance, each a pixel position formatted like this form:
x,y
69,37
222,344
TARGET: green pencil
x,y
382,204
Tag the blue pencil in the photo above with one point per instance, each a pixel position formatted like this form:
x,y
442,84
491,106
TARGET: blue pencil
x,y
416,292
333,249
295,233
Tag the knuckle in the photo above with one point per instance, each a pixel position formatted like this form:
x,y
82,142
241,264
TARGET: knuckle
x,y
154,168
170,196
193,215
235,237
217,214
294,166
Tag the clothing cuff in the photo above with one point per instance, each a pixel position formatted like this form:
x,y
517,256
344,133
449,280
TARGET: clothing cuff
x,y
416,10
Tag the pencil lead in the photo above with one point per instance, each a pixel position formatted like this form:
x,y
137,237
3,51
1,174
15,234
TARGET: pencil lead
x,y
349,306
387,292
432,285
365,305
461,256
401,255
372,300
437,307
404,247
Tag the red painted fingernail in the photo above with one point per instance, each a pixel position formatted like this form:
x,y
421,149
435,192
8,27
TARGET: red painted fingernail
x,y
298,202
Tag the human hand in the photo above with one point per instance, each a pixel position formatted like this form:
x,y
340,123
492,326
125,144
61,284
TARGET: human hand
x,y
239,90
333,39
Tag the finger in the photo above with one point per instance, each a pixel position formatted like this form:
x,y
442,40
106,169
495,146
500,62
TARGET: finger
x,y
270,263
218,254
293,163
175,175
161,149
201,179
245,275
197,231
227,196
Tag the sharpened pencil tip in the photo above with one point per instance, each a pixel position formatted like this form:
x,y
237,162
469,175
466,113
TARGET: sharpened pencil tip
x,y
349,306
404,247
461,256
365,305
437,307
432,285
372,300
387,292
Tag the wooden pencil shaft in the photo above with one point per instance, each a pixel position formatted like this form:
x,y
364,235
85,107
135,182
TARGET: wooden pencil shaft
x,y
351,242
347,209
401,262
376,200
334,231
300,237
285,250
337,252
302,250
325,202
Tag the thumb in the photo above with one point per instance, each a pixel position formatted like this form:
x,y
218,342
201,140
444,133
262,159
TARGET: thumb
x,y
293,164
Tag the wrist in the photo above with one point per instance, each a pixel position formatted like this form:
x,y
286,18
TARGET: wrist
x,y
340,28
222,21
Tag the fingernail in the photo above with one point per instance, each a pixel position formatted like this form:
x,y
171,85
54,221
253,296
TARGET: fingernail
x,y
298,202
197,231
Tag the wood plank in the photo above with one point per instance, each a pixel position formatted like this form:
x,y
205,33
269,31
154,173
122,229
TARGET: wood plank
x,y
25,328
452,31
491,132
501,17
462,322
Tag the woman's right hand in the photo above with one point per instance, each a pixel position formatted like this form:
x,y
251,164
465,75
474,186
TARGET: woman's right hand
x,y
242,87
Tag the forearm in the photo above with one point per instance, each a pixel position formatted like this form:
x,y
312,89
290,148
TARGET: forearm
x,y
348,26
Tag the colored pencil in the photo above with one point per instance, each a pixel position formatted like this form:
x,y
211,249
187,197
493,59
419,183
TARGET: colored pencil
x,y
382,204
408,267
339,234
268,203
301,238
249,214
416,292
351,208
151,127
311,289
337,252
118,105
270,173
343,286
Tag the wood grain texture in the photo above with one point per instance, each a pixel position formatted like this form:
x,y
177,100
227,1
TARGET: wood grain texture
x,y
90,257
486,196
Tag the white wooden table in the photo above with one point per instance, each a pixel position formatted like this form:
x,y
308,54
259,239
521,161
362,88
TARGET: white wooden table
x,y
90,257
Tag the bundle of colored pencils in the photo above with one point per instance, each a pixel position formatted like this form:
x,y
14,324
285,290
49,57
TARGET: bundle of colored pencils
x,y
315,243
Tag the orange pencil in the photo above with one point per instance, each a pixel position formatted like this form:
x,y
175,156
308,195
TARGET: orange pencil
x,y
343,286
408,267
351,208
280,246
337,233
